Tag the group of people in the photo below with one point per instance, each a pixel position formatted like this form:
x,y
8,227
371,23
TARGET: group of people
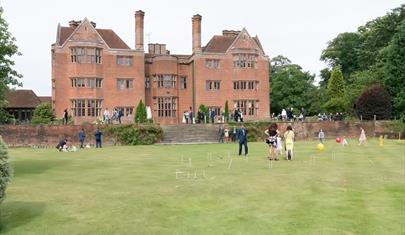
x,y
274,140
343,140
227,134
63,146
117,114
330,117
211,117
288,115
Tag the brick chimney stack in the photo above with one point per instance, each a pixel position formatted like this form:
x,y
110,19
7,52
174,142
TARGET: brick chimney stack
x,y
196,22
139,15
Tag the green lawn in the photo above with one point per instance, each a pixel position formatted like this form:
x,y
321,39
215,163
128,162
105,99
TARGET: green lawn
x,y
134,190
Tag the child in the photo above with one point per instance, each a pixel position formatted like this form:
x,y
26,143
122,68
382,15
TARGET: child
x,y
279,145
344,142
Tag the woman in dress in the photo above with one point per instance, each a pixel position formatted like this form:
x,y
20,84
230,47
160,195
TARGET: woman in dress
x,y
362,138
271,140
289,143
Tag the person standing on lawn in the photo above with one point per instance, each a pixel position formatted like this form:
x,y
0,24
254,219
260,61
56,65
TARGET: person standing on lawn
x,y
98,135
82,136
242,137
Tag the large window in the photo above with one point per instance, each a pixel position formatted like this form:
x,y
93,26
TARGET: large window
x,y
90,82
244,60
83,55
213,85
94,108
245,85
167,106
166,81
212,63
78,107
124,84
183,82
248,107
124,60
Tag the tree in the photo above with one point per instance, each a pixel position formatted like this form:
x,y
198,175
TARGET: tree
x,y
290,86
341,51
140,116
394,68
336,84
5,169
336,92
43,114
8,49
226,113
375,100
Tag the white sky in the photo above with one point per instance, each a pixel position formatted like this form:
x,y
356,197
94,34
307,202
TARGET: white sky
x,y
297,29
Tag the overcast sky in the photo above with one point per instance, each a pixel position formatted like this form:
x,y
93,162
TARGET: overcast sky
x,y
296,29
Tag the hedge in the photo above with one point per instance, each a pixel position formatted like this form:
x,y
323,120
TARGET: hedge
x,y
134,134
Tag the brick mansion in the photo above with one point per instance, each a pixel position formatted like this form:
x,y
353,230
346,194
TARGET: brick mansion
x,y
94,69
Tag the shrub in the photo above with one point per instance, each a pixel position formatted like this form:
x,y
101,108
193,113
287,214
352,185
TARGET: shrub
x,y
140,115
375,100
135,134
204,109
43,114
5,170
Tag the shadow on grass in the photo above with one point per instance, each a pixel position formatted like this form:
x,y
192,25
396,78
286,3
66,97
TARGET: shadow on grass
x,y
14,214
26,167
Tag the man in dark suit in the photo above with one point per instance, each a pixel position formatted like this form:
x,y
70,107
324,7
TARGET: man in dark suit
x,y
242,136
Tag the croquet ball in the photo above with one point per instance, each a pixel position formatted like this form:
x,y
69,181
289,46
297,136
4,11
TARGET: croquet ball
x,y
320,147
338,140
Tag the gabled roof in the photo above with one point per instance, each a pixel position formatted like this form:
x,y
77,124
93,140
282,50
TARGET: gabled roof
x,y
219,44
108,35
22,99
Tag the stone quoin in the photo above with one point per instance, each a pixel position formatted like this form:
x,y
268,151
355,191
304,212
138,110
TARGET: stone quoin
x,y
94,69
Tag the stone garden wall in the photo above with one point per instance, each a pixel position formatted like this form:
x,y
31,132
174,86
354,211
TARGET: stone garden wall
x,y
49,135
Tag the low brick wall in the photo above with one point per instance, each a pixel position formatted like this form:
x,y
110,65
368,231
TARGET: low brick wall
x,y
49,135
332,129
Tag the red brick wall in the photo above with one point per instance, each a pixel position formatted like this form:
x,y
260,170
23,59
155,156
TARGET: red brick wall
x,y
63,70
43,135
48,135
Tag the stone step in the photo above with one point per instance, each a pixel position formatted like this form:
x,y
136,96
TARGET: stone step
x,y
190,134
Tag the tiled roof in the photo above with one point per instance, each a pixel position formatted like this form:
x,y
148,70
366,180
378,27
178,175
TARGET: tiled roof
x,y
219,44
108,35
45,99
112,39
22,99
